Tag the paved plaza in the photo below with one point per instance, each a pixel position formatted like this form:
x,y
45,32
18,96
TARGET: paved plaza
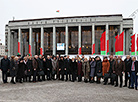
x,y
59,91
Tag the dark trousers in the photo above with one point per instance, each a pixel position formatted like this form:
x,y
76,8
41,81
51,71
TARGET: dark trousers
x,y
133,79
105,80
73,76
126,78
4,76
48,75
69,73
79,78
53,74
66,73
34,76
121,80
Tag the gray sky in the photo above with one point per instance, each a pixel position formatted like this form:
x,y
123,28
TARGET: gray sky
x,y
28,9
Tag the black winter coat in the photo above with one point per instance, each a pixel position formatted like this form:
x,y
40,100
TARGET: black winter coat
x,y
127,64
49,64
68,64
12,68
73,67
21,69
61,66
111,66
98,66
40,63
5,64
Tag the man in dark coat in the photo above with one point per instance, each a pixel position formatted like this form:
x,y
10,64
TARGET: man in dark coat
x,y
68,68
49,67
61,68
5,67
111,61
127,64
35,67
29,67
12,69
40,66
118,69
73,69
58,59
133,71
98,68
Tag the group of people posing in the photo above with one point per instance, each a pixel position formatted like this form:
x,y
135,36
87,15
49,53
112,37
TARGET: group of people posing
x,y
41,68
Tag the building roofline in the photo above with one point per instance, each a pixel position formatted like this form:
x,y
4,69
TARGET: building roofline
x,y
127,18
66,17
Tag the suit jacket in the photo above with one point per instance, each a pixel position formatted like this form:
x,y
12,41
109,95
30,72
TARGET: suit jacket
x,y
136,67
127,64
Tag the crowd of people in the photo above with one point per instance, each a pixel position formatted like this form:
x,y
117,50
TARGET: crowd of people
x,y
42,68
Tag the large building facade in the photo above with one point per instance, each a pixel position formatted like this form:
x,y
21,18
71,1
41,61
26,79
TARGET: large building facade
x,y
78,34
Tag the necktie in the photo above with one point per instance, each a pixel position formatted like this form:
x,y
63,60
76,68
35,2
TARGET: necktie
x,y
133,66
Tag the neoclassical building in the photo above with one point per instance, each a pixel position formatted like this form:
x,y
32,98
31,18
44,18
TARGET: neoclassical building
x,y
78,34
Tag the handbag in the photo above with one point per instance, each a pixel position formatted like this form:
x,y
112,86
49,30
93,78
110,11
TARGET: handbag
x,y
113,76
41,73
100,74
106,75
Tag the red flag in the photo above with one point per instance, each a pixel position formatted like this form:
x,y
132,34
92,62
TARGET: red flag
x,y
41,51
80,51
107,47
93,49
121,42
57,11
116,43
30,50
19,47
133,43
103,41
137,42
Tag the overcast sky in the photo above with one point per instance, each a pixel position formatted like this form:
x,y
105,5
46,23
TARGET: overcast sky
x,y
28,9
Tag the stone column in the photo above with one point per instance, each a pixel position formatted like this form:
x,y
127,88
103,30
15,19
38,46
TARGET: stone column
x,y
107,37
19,41
54,40
93,38
79,41
30,42
15,51
42,41
9,45
66,40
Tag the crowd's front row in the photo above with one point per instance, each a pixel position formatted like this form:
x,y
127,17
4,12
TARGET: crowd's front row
x,y
40,68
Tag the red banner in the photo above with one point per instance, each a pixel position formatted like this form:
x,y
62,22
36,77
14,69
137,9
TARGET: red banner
x,y
121,42
80,51
19,47
107,47
41,51
93,49
137,42
133,43
103,41
30,50
116,43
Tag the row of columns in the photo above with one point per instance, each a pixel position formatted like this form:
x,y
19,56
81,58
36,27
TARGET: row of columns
x,y
54,38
